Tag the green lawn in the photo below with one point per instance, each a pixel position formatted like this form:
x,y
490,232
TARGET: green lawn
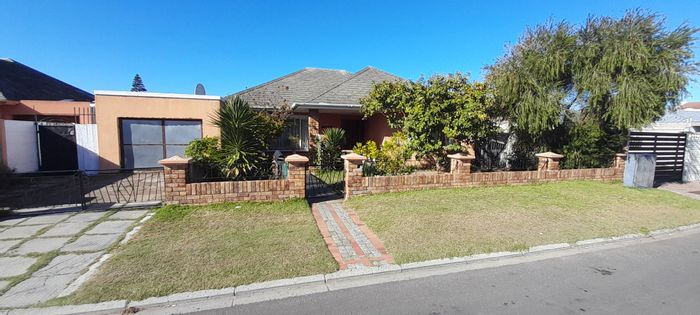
x,y
187,248
431,224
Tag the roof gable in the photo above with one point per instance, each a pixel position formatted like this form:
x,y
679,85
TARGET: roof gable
x,y
355,88
296,87
19,82
312,86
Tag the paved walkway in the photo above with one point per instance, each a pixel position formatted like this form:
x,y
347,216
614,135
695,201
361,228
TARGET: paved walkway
x,y
349,240
689,189
72,241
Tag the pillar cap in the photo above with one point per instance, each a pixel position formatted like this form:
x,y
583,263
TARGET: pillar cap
x,y
353,157
621,154
550,155
462,156
174,160
296,159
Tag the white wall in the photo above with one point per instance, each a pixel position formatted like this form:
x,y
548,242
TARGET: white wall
x,y
88,150
22,150
691,164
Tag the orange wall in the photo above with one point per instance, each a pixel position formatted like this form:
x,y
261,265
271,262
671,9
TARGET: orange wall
x,y
44,108
109,108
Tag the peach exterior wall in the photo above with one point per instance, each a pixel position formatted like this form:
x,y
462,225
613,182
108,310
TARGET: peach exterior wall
x,y
109,109
46,108
376,127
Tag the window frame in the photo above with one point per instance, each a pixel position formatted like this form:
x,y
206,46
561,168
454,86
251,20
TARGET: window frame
x,y
164,144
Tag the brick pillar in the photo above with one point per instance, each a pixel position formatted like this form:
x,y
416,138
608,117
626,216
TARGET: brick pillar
x,y
461,163
548,161
314,131
620,160
353,173
297,173
175,173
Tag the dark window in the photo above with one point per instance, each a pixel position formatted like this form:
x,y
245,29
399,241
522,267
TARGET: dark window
x,y
146,141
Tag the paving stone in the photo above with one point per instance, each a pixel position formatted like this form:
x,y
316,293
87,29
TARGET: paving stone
x,y
21,231
35,290
91,243
128,214
40,245
110,227
67,264
86,217
6,245
15,266
46,219
11,221
67,228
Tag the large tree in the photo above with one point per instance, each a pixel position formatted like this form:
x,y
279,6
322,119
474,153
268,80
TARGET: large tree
x,y
606,76
437,115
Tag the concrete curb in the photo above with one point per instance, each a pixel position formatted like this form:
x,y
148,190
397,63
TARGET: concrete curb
x,y
284,288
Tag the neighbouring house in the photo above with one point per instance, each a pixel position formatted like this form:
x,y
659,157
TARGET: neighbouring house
x,y
137,129
37,112
321,99
27,94
684,120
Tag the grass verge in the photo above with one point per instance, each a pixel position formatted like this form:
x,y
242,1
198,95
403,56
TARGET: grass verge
x,y
432,224
187,248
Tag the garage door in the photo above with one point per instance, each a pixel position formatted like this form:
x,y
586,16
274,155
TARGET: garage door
x,y
146,141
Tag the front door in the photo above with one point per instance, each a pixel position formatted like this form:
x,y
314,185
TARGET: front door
x,y
354,132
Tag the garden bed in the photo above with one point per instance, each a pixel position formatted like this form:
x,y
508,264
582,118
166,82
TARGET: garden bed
x,y
441,223
188,248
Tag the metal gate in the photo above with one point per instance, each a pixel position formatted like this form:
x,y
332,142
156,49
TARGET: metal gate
x,y
57,148
83,188
325,181
669,149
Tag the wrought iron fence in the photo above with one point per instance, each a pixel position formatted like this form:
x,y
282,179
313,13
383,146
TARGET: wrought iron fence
x,y
84,188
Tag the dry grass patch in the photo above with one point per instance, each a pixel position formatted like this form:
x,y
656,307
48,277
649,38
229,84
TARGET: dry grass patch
x,y
433,224
187,248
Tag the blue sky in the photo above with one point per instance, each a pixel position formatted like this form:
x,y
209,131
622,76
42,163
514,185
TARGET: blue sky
x,y
230,45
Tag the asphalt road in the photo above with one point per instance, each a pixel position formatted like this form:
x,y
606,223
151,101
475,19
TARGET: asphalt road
x,y
659,277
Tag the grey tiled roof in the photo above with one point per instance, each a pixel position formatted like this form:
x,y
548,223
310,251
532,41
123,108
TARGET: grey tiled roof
x,y
19,82
313,85
355,88
681,116
296,87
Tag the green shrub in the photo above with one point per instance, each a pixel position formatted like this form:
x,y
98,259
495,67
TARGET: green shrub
x,y
330,147
389,160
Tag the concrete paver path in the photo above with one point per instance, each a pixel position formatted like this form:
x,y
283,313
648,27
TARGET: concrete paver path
x,y
351,242
75,240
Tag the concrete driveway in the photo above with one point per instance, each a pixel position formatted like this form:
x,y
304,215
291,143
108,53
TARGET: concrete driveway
x,y
689,189
43,255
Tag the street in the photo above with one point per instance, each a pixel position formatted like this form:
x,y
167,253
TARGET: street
x,y
656,277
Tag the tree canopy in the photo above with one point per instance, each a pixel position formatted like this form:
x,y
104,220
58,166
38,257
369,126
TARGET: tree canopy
x,y
622,73
578,90
437,115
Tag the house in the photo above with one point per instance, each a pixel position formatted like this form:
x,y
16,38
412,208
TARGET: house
x,y
321,99
686,119
137,129
27,94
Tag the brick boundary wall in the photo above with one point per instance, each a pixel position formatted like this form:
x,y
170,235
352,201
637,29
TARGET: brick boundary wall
x,y
179,191
460,175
